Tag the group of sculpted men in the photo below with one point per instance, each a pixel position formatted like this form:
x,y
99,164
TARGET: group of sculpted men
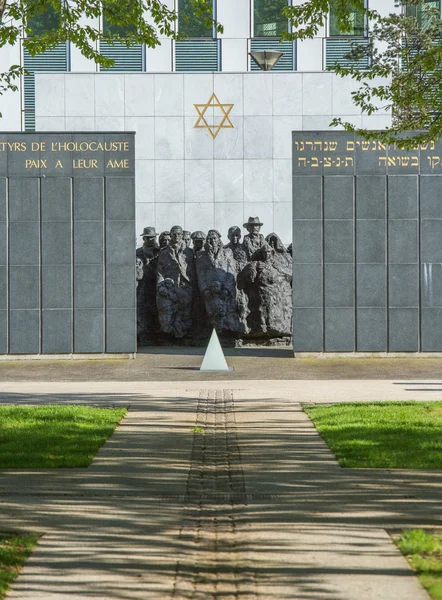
x,y
188,283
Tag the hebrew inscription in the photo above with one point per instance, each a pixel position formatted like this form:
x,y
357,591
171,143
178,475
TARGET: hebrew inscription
x,y
313,155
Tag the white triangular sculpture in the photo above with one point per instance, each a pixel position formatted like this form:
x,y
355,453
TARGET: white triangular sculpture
x,y
214,359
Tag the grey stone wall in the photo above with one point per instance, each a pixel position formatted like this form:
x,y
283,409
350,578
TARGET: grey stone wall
x,y
367,245
67,253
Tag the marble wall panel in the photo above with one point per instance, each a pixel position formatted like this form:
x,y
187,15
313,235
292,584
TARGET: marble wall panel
x,y
51,123
282,136
145,180
109,95
198,88
169,95
317,93
199,216
287,94
229,143
139,96
144,217
169,138
198,142
228,88
229,181
50,98
109,123
169,214
228,214
80,95
169,181
282,221
199,181
258,94
282,180
258,137
258,181
74,124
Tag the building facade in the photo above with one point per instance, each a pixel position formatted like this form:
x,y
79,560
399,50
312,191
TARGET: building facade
x,y
213,133
248,25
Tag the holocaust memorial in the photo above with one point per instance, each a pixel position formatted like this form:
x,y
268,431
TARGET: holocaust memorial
x,y
363,273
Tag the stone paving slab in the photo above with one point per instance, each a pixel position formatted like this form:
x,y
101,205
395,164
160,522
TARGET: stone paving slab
x,y
217,492
265,363
110,393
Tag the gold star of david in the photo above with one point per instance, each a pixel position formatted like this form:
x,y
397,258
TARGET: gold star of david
x,y
225,123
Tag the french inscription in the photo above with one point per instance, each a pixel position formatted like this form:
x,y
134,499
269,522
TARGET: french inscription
x,y
62,154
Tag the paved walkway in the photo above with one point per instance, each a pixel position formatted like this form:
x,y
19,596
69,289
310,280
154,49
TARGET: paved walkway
x,y
217,490
182,364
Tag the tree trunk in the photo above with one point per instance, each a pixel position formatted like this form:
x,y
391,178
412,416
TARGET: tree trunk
x,y
2,8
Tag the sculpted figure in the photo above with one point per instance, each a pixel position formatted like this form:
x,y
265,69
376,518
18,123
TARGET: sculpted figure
x,y
281,255
216,272
268,288
239,254
201,327
187,238
164,239
174,296
147,317
139,270
198,238
150,248
253,240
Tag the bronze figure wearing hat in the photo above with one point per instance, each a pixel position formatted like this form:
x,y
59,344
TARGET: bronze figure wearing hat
x,y
254,240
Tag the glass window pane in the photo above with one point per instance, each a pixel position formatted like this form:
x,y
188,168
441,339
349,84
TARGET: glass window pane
x,y
43,21
268,18
419,11
191,25
111,29
357,22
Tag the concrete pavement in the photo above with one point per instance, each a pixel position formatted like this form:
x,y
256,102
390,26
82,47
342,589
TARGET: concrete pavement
x,y
182,364
215,490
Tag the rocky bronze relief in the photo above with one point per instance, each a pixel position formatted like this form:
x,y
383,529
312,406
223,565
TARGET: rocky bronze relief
x,y
267,284
147,315
192,282
216,273
176,283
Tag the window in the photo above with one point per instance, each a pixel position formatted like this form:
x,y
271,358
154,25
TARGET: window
x,y
112,29
419,11
44,21
268,18
357,21
191,25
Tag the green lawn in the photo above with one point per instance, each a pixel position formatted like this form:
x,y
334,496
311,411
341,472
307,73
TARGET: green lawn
x,y
54,436
14,550
423,551
401,435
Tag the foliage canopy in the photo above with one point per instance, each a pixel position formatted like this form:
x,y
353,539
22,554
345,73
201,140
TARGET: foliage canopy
x,y
405,57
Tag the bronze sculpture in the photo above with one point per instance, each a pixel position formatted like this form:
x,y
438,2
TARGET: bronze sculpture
x,y
254,240
147,316
268,287
175,285
216,272
243,289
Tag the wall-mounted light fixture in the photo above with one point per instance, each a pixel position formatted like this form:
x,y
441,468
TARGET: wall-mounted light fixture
x,y
266,59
